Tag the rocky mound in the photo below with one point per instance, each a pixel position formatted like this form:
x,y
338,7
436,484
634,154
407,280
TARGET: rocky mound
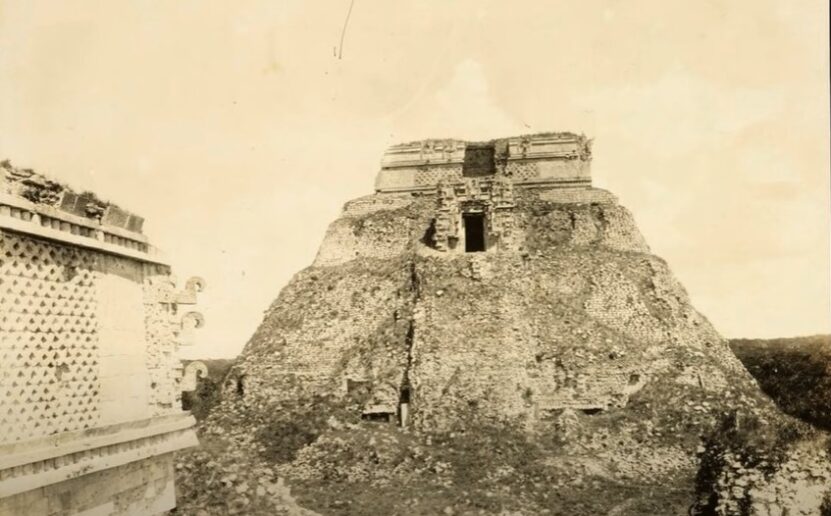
x,y
561,371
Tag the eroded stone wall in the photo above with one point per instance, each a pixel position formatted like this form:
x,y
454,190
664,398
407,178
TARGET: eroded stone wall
x,y
563,326
568,311
331,328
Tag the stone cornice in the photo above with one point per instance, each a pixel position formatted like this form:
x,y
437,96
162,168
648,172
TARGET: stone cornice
x,y
17,214
37,463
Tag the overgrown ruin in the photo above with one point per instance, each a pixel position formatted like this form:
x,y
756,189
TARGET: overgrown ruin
x,y
486,303
90,381
487,333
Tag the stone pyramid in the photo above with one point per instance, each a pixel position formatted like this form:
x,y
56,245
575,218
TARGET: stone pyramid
x,y
490,284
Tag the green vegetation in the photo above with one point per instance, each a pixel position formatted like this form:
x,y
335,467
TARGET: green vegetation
x,y
794,372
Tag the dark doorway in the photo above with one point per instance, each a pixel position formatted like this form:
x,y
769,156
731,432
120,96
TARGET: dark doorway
x,y
474,232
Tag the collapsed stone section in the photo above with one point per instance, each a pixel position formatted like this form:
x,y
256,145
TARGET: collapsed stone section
x,y
27,184
335,332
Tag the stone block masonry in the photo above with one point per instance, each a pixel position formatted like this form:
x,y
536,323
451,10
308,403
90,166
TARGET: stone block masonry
x,y
546,159
489,285
90,322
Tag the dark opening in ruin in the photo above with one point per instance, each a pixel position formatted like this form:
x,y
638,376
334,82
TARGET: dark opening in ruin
x,y
241,386
429,238
478,161
591,411
474,232
358,388
382,417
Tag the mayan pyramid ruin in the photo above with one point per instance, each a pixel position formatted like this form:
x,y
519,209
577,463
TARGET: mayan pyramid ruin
x,y
488,333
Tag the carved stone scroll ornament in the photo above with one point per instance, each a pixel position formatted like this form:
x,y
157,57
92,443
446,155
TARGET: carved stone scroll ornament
x,y
193,286
192,372
190,322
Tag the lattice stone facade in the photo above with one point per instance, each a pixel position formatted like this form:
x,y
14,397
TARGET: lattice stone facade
x,y
50,347
90,322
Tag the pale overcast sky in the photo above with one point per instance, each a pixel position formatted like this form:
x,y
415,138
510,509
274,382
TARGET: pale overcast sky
x,y
236,131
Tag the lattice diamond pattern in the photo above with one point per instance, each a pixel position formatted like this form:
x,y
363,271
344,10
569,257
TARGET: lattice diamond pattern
x,y
522,171
432,175
48,338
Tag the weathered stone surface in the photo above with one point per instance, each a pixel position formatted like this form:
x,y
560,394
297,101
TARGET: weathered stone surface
x,y
558,324
538,159
90,401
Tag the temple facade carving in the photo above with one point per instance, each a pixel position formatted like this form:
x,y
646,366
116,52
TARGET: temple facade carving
x,y
90,390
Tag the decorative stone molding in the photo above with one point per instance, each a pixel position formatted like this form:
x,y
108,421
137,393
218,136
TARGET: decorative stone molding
x,y
562,145
424,152
44,462
533,160
20,215
26,184
190,321
193,371
90,397
193,286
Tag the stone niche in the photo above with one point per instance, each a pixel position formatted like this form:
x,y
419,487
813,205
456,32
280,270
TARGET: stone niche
x,y
90,401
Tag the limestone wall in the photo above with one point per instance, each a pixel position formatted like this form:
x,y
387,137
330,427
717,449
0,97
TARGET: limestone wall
x,y
134,488
89,379
540,159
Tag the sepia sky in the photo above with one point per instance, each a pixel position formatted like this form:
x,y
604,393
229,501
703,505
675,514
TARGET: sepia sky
x,y
233,127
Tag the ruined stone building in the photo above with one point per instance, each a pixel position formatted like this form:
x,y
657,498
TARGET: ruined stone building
x,y
470,214
492,282
90,321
